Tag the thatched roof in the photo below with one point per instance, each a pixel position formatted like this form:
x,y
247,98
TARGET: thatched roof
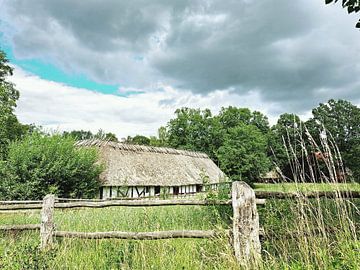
x,y
138,165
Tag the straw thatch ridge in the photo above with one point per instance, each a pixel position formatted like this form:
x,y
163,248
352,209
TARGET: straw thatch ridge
x,y
136,165
139,148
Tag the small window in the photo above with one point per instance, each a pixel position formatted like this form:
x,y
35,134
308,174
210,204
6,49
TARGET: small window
x,y
101,192
157,190
122,191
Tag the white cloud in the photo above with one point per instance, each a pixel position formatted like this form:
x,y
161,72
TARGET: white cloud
x,y
286,50
59,107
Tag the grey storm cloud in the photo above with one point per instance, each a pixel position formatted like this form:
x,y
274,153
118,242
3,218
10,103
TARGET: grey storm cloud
x,y
293,52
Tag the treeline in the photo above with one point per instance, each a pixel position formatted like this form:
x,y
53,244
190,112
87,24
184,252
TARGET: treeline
x,y
242,142
245,146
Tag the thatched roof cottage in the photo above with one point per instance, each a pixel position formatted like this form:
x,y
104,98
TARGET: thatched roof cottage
x,y
142,171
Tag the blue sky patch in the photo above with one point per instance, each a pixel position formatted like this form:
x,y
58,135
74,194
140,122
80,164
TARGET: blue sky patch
x,y
52,73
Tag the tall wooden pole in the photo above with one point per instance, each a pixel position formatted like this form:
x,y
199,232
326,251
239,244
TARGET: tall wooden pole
x,y
47,222
246,228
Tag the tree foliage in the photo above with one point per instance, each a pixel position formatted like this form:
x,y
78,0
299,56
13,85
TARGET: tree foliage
x,y
341,119
42,164
138,139
230,117
10,128
199,130
350,5
190,129
286,132
243,153
88,135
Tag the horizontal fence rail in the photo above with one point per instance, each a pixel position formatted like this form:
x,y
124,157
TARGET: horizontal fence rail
x,y
22,227
110,203
312,194
139,203
139,235
260,195
19,202
245,232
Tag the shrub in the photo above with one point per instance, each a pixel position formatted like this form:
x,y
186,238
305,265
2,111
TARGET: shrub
x,y
26,255
42,164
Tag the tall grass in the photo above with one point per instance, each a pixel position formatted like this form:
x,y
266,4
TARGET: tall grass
x,y
125,254
315,233
300,233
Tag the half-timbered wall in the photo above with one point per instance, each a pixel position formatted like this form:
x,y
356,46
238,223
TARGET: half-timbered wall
x,y
141,191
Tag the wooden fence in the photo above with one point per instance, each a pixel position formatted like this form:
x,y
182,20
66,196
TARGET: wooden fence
x,y
244,234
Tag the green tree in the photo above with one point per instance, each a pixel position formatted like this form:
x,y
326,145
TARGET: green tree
x,y
350,5
199,130
10,128
105,136
161,139
139,140
243,153
88,135
287,132
342,120
5,69
79,134
230,117
191,130
42,164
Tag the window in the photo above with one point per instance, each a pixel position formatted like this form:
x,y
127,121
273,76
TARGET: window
x,y
157,190
122,191
101,192
176,190
198,188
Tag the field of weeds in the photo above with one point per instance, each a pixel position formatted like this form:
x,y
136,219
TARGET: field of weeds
x,y
299,234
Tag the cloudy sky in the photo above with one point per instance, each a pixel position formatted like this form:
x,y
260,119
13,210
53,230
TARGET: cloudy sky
x,y
125,66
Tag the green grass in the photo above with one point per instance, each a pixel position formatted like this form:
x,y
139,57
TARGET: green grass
x,y
292,187
338,250
125,254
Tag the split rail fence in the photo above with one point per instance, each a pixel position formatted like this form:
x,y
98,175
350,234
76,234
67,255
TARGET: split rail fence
x,y
245,231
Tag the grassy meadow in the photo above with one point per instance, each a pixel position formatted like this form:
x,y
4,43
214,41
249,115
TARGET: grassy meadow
x,y
323,236
306,187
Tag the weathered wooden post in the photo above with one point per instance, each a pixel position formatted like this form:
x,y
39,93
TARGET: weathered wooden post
x,y
47,222
246,228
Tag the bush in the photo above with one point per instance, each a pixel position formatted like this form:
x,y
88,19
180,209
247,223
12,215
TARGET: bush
x,y
26,255
42,164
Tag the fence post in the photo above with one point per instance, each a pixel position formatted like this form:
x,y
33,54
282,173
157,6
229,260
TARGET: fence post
x,y
246,228
47,222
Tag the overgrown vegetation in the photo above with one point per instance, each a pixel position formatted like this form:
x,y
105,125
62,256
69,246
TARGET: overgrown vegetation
x,y
282,248
318,233
42,164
